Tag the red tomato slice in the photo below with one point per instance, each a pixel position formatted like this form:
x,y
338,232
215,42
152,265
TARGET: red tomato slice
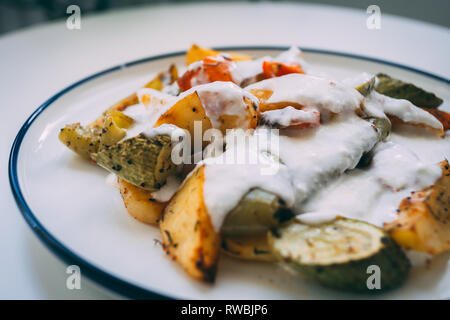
x,y
212,69
277,69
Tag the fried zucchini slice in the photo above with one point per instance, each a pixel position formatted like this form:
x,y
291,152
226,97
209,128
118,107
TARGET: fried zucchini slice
x,y
402,90
197,53
252,248
337,254
81,140
255,214
144,162
139,203
187,231
423,222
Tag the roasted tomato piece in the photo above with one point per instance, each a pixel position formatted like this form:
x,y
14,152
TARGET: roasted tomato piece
x,y
209,70
277,69
442,116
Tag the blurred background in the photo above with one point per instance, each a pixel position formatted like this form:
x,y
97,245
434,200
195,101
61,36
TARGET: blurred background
x,y
16,14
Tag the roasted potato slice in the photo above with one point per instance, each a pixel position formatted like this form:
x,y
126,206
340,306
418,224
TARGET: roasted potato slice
x,y
423,222
197,53
184,113
254,248
139,203
189,109
187,231
264,95
111,131
81,140
397,121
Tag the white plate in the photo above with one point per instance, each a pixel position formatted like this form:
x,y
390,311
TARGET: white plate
x,y
83,220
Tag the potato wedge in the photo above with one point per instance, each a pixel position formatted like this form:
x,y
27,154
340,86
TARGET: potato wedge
x,y
423,222
254,248
188,110
197,53
81,140
396,121
139,203
187,231
184,113
264,95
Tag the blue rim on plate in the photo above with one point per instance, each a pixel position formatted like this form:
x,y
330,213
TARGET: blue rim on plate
x,y
94,273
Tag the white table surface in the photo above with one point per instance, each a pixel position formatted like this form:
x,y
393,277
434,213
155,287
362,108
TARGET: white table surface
x,y
37,62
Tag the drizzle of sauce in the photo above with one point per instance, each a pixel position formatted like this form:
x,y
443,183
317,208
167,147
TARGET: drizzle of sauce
x,y
402,109
311,91
312,170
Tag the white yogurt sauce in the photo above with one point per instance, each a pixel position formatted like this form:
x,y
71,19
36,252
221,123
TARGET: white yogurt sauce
x,y
292,56
313,218
318,160
248,68
397,167
331,149
228,179
358,79
373,194
311,91
290,116
152,104
309,159
315,173
165,129
222,98
402,109
167,190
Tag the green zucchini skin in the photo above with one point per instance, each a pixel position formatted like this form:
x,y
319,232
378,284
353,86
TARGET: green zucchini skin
x,y
342,273
257,211
367,87
402,90
144,162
